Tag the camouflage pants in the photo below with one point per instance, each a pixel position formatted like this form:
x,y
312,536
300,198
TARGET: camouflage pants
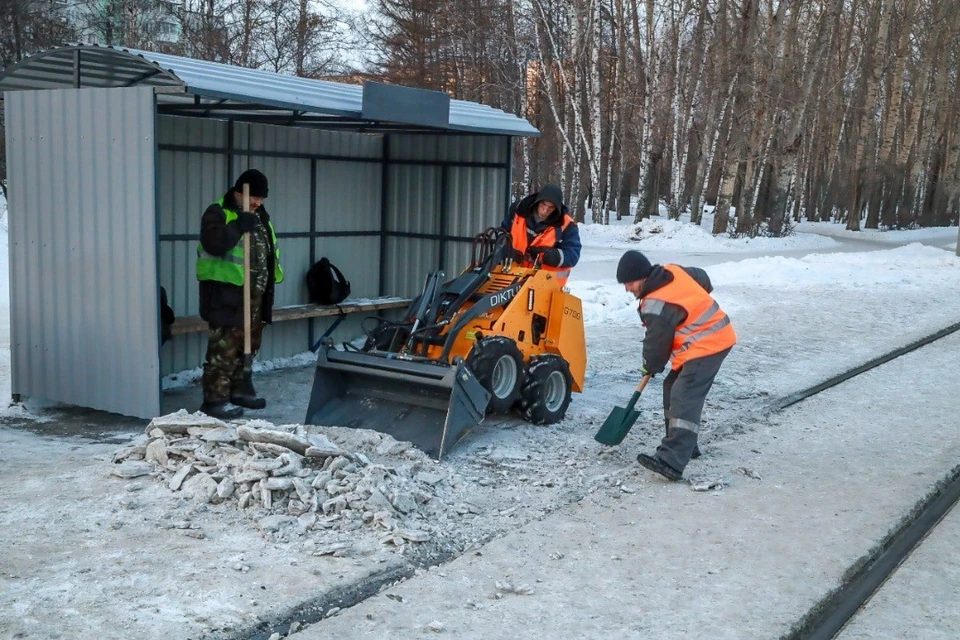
x,y
223,369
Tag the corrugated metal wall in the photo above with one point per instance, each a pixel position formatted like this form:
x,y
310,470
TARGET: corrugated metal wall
x,y
340,176
82,233
473,171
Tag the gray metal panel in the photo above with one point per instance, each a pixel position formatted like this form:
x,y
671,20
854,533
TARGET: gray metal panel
x,y
409,260
348,196
474,199
84,299
474,203
388,102
195,132
448,148
258,137
413,206
414,199
473,148
115,66
190,182
414,147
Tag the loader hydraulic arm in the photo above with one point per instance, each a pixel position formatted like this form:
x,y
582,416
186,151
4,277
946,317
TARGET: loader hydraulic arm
x,y
486,303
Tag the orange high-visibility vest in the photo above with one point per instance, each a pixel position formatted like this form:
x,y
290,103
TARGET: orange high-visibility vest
x,y
548,238
706,330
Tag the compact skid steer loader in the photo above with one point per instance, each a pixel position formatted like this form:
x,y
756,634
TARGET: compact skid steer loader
x,y
497,336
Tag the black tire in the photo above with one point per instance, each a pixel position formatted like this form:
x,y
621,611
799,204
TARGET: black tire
x,y
498,365
546,393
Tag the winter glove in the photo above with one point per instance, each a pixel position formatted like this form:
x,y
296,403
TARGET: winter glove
x,y
644,372
246,221
552,257
518,256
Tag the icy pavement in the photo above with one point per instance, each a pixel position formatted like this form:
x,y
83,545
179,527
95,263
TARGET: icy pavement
x,y
574,540
920,599
805,496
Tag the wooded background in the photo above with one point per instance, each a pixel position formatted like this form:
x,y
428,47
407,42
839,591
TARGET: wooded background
x,y
773,111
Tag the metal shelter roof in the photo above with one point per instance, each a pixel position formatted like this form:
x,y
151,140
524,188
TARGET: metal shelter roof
x,y
185,86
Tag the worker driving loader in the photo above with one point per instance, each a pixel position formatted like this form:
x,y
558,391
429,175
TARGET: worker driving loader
x,y
498,336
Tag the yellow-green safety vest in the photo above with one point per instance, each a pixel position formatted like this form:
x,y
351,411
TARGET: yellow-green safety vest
x,y
229,268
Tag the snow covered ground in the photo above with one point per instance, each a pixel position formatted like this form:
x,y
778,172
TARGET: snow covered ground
x,y
131,558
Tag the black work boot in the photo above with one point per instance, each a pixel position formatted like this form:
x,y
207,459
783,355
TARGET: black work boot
x,y
657,465
222,410
244,395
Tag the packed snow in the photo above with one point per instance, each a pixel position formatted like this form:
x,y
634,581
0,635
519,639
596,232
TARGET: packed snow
x,y
663,234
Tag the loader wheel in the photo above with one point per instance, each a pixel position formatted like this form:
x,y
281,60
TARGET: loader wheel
x,y
546,393
498,365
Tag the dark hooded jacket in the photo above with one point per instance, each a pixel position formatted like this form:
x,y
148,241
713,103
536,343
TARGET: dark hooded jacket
x,y
222,303
661,327
569,242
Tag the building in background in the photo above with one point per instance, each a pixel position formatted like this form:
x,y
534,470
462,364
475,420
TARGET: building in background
x,y
137,23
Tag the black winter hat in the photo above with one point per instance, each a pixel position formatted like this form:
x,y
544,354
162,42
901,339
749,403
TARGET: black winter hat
x,y
633,266
551,193
256,180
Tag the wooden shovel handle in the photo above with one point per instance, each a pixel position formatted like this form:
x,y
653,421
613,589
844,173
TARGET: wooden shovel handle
x,y
643,383
247,350
636,394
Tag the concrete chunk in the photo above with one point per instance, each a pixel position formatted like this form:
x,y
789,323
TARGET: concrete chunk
x,y
288,440
132,469
177,480
200,488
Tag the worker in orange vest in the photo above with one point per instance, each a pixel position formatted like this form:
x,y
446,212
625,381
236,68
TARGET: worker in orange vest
x,y
540,224
686,326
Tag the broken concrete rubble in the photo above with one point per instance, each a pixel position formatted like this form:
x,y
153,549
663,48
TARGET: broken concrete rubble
x,y
292,479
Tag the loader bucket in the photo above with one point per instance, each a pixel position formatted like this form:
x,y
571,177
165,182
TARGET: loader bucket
x,y
426,403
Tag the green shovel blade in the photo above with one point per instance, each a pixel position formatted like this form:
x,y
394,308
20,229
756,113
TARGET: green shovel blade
x,y
618,424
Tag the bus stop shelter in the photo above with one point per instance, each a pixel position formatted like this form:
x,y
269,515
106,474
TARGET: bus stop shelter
x,y
113,154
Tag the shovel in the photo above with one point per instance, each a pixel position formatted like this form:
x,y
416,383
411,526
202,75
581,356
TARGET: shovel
x,y
617,425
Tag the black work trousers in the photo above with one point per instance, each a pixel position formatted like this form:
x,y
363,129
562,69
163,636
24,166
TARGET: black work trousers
x,y
684,392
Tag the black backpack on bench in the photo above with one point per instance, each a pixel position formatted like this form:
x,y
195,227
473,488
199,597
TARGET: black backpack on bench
x,y
326,284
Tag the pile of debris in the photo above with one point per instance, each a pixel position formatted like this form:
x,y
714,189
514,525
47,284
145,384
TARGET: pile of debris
x,y
293,479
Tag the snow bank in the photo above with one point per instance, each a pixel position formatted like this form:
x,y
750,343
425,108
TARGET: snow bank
x,y
661,234
605,302
895,236
899,266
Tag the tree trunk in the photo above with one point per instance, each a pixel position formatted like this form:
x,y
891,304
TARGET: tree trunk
x,y
879,46
737,151
646,201
705,164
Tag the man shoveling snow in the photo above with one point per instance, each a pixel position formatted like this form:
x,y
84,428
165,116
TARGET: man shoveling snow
x,y
686,326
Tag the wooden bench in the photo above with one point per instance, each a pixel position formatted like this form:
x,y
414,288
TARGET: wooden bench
x,y
193,324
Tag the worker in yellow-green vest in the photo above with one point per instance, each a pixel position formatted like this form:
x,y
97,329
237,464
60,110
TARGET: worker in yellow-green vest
x,y
220,271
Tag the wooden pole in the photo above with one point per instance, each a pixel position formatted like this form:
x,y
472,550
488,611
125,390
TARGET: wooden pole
x,y
247,357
